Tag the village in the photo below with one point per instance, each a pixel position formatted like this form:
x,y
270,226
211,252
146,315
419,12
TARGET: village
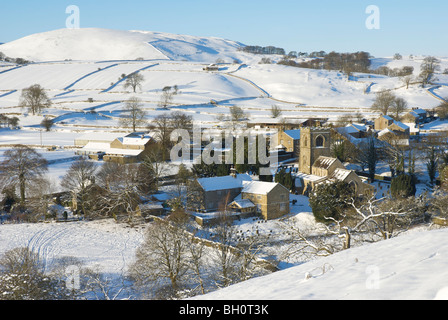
x,y
165,166
310,153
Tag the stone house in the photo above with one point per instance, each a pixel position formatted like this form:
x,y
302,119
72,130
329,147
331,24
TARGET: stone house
x,y
241,195
290,140
271,199
383,122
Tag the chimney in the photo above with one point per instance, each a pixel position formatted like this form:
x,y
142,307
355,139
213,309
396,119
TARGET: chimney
x,y
233,172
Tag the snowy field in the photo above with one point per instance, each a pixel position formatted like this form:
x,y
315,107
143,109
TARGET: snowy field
x,y
408,267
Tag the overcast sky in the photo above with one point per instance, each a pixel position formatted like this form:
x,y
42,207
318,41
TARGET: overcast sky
x,y
407,27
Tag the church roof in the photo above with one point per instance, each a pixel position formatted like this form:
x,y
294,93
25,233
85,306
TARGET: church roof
x,y
324,162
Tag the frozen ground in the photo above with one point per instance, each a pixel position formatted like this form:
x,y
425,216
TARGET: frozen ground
x,y
408,267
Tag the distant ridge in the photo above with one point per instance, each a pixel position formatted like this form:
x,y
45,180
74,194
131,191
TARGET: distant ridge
x,y
106,44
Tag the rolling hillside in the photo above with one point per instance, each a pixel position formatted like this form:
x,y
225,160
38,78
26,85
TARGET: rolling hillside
x,y
104,44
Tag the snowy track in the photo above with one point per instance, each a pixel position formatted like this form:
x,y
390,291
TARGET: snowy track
x,y
106,244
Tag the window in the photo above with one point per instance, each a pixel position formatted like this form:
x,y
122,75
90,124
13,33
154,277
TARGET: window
x,y
282,207
320,141
353,185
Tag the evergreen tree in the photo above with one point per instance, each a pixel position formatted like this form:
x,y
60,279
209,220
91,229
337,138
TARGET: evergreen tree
x,y
403,186
329,200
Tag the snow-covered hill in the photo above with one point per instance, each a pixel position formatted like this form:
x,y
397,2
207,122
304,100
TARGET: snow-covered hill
x,y
104,44
408,267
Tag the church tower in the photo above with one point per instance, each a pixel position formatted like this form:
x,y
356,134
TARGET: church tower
x,y
314,142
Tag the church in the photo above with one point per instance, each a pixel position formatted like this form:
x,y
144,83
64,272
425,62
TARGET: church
x,y
316,165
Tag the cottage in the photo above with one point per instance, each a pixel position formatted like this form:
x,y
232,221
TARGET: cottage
x,y
241,195
121,149
217,192
383,122
289,140
357,130
271,199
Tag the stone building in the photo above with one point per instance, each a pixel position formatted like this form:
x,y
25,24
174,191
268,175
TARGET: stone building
x,y
314,142
240,195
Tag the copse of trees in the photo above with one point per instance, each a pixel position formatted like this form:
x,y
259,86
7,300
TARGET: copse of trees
x,y
345,62
263,50
20,61
10,122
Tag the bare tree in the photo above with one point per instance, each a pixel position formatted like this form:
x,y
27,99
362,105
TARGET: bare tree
x,y
224,233
383,102
123,186
407,80
162,260
21,165
136,114
428,68
79,177
275,111
22,277
34,98
398,106
387,217
154,165
164,125
134,81
47,124
167,97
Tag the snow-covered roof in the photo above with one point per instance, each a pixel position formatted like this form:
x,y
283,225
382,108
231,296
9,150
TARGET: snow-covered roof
x,y
308,177
94,147
280,146
136,138
223,183
412,127
341,174
355,127
420,111
401,125
258,187
324,162
387,117
414,114
243,203
100,136
384,131
295,133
